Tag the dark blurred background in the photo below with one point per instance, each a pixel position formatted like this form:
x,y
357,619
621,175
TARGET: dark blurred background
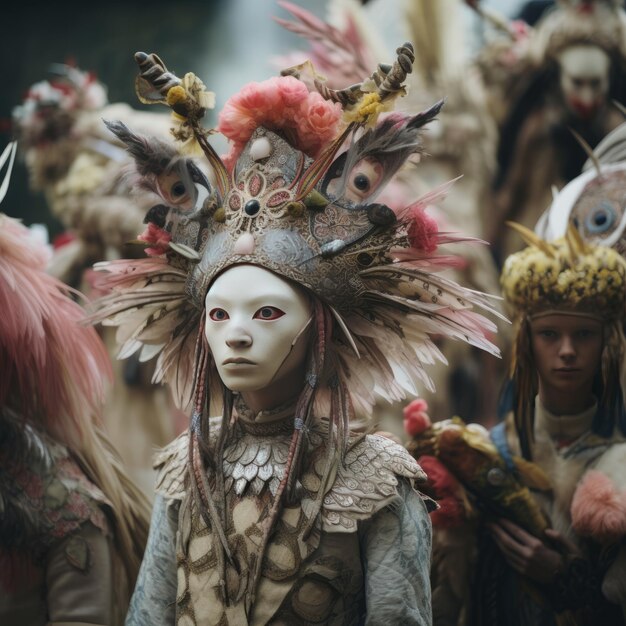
x,y
225,42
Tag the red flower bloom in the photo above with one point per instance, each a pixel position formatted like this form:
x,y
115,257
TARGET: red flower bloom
x,y
156,236
447,490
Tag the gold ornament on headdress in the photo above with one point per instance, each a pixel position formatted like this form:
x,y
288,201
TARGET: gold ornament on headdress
x,y
565,274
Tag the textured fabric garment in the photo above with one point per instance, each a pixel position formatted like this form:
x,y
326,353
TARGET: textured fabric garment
x,y
56,554
396,559
365,554
499,594
75,585
154,598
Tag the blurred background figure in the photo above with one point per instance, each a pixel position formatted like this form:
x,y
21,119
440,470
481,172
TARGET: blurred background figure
x,y
72,525
459,152
78,165
546,81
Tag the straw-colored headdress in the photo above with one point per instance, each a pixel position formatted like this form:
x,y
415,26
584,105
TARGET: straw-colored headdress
x,y
566,275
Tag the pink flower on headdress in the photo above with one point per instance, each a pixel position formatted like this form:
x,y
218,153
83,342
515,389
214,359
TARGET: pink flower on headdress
x,y
318,121
157,237
236,123
263,100
230,159
280,104
292,90
416,419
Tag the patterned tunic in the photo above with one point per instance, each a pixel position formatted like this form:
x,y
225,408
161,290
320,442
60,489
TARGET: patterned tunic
x,y
364,559
55,552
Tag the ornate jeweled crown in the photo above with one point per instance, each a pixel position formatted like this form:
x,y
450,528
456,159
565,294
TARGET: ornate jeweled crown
x,y
566,274
282,199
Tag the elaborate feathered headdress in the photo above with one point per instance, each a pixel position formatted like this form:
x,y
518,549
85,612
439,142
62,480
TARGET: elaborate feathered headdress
x,y
594,201
567,275
289,204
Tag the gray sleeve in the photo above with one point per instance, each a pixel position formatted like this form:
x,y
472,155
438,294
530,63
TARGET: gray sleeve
x,y
396,548
79,579
154,598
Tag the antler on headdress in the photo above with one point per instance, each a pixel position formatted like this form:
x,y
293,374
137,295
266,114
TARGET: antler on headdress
x,y
386,81
189,101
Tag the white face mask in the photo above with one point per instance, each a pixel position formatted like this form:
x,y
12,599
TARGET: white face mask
x,y
584,79
255,323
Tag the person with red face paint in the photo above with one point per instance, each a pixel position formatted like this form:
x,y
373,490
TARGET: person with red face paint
x,y
562,75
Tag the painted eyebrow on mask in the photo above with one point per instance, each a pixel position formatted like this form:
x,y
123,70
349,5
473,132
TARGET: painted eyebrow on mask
x,y
267,299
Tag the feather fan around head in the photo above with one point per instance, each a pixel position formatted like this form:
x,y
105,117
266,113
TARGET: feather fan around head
x,y
296,195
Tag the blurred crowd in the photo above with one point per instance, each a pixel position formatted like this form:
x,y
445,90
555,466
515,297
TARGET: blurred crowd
x,y
530,129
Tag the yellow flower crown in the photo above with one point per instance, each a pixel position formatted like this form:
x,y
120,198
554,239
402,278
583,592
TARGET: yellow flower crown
x,y
564,274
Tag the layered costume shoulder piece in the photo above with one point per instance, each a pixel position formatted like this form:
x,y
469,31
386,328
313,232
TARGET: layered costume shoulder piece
x,y
284,515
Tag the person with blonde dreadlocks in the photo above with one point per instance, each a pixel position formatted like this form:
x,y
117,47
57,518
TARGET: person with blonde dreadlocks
x,y
567,417
73,527
286,298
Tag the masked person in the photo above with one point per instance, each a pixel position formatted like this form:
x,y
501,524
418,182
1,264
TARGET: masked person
x,y
560,558
286,299
72,525
563,75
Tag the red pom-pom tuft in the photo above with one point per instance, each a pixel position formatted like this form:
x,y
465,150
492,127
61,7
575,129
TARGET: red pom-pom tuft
x,y
416,420
423,230
157,237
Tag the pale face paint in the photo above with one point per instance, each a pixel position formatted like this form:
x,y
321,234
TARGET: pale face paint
x,y
256,325
584,79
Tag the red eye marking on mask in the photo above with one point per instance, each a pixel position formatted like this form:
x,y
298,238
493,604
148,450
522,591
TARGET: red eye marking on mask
x,y
268,313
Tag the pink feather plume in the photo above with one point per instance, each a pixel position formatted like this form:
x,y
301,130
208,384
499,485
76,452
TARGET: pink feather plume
x,y
598,508
53,368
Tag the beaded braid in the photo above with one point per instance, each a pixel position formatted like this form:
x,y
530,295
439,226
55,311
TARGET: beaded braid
x,y
198,457
303,413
